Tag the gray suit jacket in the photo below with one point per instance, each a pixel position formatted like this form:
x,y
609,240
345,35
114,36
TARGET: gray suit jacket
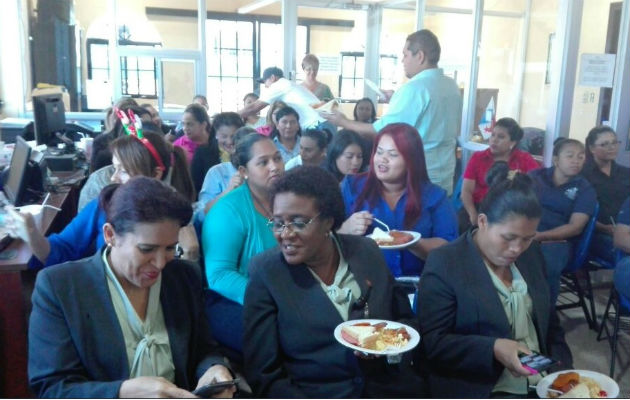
x,y
76,346
461,316
289,347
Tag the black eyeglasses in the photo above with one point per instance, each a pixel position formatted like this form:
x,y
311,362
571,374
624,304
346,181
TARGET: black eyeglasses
x,y
609,145
297,225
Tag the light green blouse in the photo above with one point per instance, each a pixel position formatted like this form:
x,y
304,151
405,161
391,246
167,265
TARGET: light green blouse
x,y
344,290
147,343
519,309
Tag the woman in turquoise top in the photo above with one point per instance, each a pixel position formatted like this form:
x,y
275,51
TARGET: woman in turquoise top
x,y
234,231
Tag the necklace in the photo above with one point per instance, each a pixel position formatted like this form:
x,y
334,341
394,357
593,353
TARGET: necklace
x,y
265,211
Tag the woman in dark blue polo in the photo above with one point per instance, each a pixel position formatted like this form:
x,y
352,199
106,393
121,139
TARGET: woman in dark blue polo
x,y
397,191
568,201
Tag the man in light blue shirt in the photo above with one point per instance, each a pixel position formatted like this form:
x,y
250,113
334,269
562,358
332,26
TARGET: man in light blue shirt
x,y
429,101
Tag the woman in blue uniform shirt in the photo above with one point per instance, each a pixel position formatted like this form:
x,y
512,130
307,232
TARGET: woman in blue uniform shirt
x,y
397,191
567,201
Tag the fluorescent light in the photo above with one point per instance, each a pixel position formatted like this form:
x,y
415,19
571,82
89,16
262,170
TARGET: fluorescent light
x,y
254,6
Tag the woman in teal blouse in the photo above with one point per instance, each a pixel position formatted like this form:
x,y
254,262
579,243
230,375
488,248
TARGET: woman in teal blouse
x,y
234,231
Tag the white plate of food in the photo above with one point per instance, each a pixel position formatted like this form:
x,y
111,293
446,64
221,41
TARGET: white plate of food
x,y
577,383
394,239
377,336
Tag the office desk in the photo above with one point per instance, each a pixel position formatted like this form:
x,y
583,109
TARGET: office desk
x,y
13,324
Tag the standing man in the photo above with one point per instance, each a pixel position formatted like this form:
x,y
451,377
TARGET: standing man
x,y
429,101
296,96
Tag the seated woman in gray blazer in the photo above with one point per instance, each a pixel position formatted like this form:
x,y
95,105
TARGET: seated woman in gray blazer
x,y
484,299
302,289
128,321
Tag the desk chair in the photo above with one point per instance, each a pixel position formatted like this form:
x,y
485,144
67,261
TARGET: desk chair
x,y
621,305
410,285
570,282
456,196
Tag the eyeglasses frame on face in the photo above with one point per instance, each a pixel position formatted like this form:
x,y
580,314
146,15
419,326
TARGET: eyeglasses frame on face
x,y
290,225
609,145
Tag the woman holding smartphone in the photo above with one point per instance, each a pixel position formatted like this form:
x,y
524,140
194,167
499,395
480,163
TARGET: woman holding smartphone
x,y
484,299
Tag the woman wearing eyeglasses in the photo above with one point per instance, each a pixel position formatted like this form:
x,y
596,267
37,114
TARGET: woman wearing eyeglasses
x,y
234,230
152,157
311,282
611,182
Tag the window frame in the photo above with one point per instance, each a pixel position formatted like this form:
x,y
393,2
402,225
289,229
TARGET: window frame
x,y
354,78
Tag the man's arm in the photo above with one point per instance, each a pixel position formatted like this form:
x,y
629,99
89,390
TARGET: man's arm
x,y
363,128
252,108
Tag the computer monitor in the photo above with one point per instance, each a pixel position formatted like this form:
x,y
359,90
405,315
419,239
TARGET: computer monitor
x,y
15,185
50,118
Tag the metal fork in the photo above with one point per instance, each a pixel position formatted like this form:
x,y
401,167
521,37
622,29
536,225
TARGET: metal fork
x,y
381,223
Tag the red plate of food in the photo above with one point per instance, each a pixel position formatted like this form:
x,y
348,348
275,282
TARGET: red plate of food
x,y
394,239
377,336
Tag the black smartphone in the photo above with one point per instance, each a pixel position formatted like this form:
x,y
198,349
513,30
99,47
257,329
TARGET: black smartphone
x,y
214,388
536,362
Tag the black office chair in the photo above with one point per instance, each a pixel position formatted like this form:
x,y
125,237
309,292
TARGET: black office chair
x,y
618,311
570,286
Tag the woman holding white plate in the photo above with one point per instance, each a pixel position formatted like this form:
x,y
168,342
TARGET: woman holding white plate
x,y
310,283
397,191
484,300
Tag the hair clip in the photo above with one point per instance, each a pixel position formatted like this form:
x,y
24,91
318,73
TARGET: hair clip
x,y
511,174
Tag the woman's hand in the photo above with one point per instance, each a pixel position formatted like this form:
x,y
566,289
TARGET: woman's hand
x,y
217,373
20,225
357,224
506,352
153,387
236,181
23,226
189,243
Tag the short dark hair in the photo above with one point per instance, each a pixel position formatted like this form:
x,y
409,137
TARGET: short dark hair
x,y
509,196
592,136
242,132
340,142
143,200
365,100
513,128
200,97
243,151
320,137
283,112
251,94
426,41
561,143
317,184
227,119
269,72
200,114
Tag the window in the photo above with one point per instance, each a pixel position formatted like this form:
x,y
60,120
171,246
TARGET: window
x,y
237,53
98,59
138,77
138,74
230,66
351,78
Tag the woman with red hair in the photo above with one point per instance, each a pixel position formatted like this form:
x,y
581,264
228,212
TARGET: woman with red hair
x,y
397,191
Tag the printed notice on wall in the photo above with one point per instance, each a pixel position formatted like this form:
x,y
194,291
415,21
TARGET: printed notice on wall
x,y
597,70
328,64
